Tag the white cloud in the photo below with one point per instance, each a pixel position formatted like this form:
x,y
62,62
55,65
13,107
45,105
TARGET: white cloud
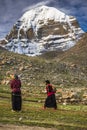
x,y
37,5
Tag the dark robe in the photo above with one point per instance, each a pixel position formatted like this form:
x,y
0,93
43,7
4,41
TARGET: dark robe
x,y
50,101
16,94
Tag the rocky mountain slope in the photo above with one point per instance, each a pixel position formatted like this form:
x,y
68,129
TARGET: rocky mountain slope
x,y
43,29
65,69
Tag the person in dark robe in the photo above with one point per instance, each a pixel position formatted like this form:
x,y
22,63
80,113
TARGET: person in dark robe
x,y
15,85
50,101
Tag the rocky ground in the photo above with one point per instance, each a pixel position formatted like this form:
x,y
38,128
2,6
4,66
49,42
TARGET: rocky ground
x,y
14,127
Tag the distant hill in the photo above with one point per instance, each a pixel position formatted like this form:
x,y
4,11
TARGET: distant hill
x,y
64,69
78,53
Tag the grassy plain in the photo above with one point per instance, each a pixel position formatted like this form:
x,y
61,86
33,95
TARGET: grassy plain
x,y
67,117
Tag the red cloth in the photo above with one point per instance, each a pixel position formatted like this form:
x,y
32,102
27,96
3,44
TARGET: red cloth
x,y
15,85
49,90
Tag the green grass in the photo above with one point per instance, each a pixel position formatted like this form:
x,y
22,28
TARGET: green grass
x,y
68,117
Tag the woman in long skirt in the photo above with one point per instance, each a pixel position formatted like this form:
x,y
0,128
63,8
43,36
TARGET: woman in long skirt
x,y
50,101
16,99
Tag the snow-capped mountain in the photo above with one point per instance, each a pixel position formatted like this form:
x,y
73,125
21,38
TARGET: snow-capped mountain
x,y
43,29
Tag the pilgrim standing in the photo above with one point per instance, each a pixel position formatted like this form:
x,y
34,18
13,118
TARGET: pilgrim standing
x,y
15,85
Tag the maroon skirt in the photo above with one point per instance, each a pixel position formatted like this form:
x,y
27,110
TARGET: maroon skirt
x,y
50,102
16,101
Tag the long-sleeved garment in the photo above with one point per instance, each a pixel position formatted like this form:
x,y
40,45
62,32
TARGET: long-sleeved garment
x,y
50,101
15,85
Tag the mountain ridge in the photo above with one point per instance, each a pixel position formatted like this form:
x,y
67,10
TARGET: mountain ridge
x,y
41,30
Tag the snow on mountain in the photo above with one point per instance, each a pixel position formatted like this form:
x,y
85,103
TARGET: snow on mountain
x,y
43,29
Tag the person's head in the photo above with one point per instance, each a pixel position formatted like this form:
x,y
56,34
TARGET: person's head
x,y
15,76
47,81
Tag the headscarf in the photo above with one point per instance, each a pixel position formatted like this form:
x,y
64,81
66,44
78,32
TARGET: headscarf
x,y
47,82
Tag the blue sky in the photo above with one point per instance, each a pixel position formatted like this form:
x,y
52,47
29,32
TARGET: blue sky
x,y
12,10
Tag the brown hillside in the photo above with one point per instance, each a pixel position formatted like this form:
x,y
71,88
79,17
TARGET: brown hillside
x,y
77,54
66,69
